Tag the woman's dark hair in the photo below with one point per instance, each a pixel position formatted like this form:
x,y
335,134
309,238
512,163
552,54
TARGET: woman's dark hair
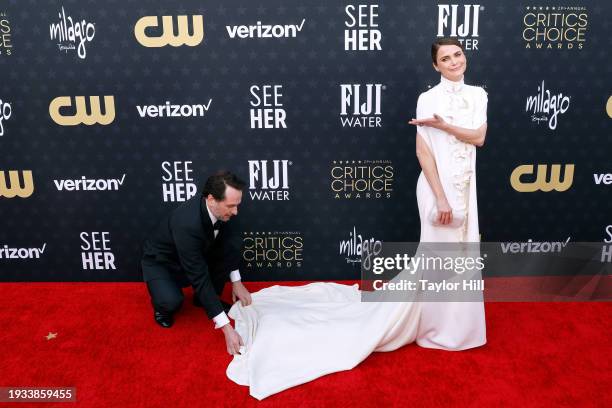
x,y
440,42
215,184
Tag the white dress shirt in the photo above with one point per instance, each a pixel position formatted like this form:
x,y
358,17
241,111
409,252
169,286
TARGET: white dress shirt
x,y
221,319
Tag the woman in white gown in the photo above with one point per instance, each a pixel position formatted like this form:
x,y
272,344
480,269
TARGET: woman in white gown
x,y
452,121
293,335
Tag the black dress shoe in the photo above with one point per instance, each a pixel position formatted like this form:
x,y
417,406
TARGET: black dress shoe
x,y
165,320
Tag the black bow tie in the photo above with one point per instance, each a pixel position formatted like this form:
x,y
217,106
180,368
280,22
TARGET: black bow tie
x,y
217,225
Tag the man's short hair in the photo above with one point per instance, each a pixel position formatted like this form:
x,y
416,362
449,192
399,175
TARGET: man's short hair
x,y
215,184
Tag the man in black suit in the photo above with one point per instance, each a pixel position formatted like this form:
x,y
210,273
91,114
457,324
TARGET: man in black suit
x,y
191,247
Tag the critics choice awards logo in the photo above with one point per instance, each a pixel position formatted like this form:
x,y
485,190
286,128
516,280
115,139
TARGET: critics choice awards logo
x,y
546,106
557,27
362,179
461,22
274,249
72,34
6,44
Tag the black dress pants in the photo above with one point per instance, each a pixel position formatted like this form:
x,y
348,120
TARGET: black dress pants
x,y
166,288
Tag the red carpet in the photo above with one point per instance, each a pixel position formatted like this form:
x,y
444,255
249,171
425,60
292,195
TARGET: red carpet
x,y
109,348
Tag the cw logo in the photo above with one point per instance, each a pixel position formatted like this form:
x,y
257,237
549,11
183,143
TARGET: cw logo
x,y
15,189
541,183
168,37
81,114
609,107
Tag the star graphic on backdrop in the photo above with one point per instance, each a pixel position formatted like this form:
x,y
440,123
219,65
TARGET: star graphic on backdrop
x,y
51,336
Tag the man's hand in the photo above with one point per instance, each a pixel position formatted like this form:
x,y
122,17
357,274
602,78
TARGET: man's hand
x,y
233,341
241,293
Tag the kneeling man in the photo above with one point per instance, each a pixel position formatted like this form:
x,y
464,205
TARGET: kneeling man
x,y
191,247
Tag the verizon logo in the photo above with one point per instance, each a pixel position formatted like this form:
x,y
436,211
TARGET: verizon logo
x,y
7,252
265,30
85,184
532,247
173,111
603,178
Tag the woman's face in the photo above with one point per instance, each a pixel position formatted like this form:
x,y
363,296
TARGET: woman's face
x,y
451,62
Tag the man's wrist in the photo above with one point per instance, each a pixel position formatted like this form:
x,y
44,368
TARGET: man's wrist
x,y
235,275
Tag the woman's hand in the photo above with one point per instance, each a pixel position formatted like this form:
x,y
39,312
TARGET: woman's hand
x,y
435,122
445,212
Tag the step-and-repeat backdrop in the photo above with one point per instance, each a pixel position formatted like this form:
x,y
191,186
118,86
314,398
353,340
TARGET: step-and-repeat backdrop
x,y
114,112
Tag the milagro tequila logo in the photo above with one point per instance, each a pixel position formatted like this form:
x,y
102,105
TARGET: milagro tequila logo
x,y
72,34
546,106
5,114
357,249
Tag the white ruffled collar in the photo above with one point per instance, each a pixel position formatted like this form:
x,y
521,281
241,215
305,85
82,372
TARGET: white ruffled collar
x,y
451,86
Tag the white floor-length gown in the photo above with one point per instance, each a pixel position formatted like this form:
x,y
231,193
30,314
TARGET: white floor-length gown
x,y
451,325
293,335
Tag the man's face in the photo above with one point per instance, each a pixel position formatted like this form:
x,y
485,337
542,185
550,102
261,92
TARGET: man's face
x,y
226,208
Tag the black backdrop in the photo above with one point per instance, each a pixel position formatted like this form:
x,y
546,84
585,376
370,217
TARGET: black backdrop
x,y
305,62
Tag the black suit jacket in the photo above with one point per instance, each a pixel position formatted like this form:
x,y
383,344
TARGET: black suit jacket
x,y
184,242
